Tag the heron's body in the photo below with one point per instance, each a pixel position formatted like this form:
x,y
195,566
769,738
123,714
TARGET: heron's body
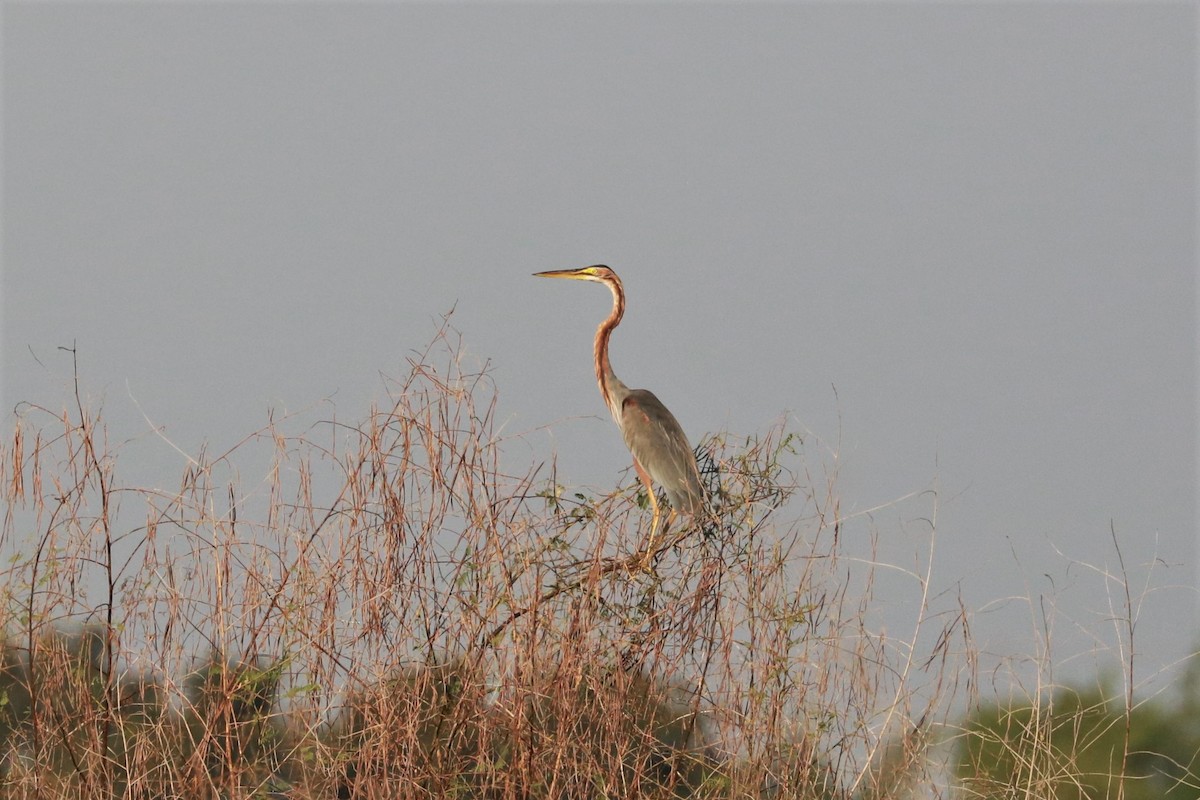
x,y
660,449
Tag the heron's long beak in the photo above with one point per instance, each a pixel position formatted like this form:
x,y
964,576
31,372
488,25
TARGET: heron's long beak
x,y
576,274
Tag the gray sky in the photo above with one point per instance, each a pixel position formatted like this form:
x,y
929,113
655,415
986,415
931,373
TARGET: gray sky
x,y
955,243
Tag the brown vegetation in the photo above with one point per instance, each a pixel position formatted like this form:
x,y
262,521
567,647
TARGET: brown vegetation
x,y
392,614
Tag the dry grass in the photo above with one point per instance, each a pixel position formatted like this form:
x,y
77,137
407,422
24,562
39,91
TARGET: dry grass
x,y
392,614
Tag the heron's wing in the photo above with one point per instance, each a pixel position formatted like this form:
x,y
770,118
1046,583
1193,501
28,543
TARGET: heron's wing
x,y
659,444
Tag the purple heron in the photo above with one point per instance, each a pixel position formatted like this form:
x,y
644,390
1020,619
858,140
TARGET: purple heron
x,y
660,449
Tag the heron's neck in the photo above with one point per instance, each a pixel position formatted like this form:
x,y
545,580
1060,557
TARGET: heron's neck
x,y
611,388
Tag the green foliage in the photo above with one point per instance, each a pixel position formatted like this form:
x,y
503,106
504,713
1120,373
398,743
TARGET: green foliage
x,y
420,727
64,728
432,731
228,718
1073,746
615,731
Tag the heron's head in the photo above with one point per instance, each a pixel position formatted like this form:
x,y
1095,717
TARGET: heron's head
x,y
599,273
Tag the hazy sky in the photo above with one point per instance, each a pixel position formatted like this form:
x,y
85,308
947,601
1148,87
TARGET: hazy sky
x,y
955,243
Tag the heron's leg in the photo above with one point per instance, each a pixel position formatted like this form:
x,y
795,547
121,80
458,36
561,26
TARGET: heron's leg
x,y
645,478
